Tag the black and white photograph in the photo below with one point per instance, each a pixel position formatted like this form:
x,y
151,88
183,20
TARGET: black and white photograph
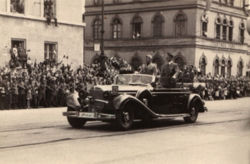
x,y
125,81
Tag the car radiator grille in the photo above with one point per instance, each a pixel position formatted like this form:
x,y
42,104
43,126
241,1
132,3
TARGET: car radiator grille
x,y
96,93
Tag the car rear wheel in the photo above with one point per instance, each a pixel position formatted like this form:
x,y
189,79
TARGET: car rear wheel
x,y
194,111
125,117
76,122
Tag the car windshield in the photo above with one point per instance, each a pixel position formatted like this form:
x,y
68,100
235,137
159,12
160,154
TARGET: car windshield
x,y
133,79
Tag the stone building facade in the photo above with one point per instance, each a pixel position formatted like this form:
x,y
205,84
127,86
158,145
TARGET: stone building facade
x,y
46,29
210,35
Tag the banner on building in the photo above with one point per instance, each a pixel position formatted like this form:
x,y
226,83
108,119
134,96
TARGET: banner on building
x,y
97,47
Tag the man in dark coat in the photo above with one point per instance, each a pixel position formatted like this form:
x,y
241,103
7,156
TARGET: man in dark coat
x,y
22,55
169,73
22,94
42,92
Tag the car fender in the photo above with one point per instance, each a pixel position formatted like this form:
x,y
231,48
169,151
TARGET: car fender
x,y
72,100
120,101
143,91
196,97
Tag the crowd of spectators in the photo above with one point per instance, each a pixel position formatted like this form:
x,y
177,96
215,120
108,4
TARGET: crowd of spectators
x,y
45,84
216,87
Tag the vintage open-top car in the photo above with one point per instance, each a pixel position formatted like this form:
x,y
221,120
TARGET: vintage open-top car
x,y
133,97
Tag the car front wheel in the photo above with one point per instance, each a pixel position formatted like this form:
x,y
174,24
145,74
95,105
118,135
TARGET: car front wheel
x,y
76,122
194,111
125,117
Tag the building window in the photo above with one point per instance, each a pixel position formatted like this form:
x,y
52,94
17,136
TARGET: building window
x,y
157,25
229,68
97,2
18,53
218,28
203,65
204,23
240,68
116,28
216,67
224,30
223,2
18,43
242,33
50,53
17,6
97,26
180,25
230,31
179,59
223,68
231,2
50,10
136,27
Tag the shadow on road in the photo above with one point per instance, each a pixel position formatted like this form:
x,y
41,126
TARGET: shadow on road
x,y
138,125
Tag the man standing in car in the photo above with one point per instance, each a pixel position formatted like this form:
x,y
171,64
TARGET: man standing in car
x,y
169,73
150,68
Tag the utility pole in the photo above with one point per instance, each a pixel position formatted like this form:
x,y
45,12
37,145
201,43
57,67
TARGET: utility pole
x,y
102,55
102,30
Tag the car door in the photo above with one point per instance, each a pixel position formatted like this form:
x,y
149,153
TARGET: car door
x,y
169,101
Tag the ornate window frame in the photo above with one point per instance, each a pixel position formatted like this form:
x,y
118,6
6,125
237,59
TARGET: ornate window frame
x,y
240,67
225,29
218,24
157,25
230,30
204,24
180,24
136,24
242,28
116,25
96,28
203,64
216,66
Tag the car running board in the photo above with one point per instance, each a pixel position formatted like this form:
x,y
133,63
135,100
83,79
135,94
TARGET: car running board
x,y
164,116
156,115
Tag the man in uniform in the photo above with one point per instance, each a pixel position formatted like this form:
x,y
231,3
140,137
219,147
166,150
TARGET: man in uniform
x,y
150,68
169,73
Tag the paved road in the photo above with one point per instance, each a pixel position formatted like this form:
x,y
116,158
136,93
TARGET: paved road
x,y
43,136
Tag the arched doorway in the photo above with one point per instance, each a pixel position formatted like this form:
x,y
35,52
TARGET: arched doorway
x,y
229,67
223,67
240,68
180,60
158,59
216,66
203,64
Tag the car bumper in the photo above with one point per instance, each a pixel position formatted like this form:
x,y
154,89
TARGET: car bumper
x,y
90,115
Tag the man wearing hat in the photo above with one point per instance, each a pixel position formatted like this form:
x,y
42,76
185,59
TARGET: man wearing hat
x,y
169,72
150,68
